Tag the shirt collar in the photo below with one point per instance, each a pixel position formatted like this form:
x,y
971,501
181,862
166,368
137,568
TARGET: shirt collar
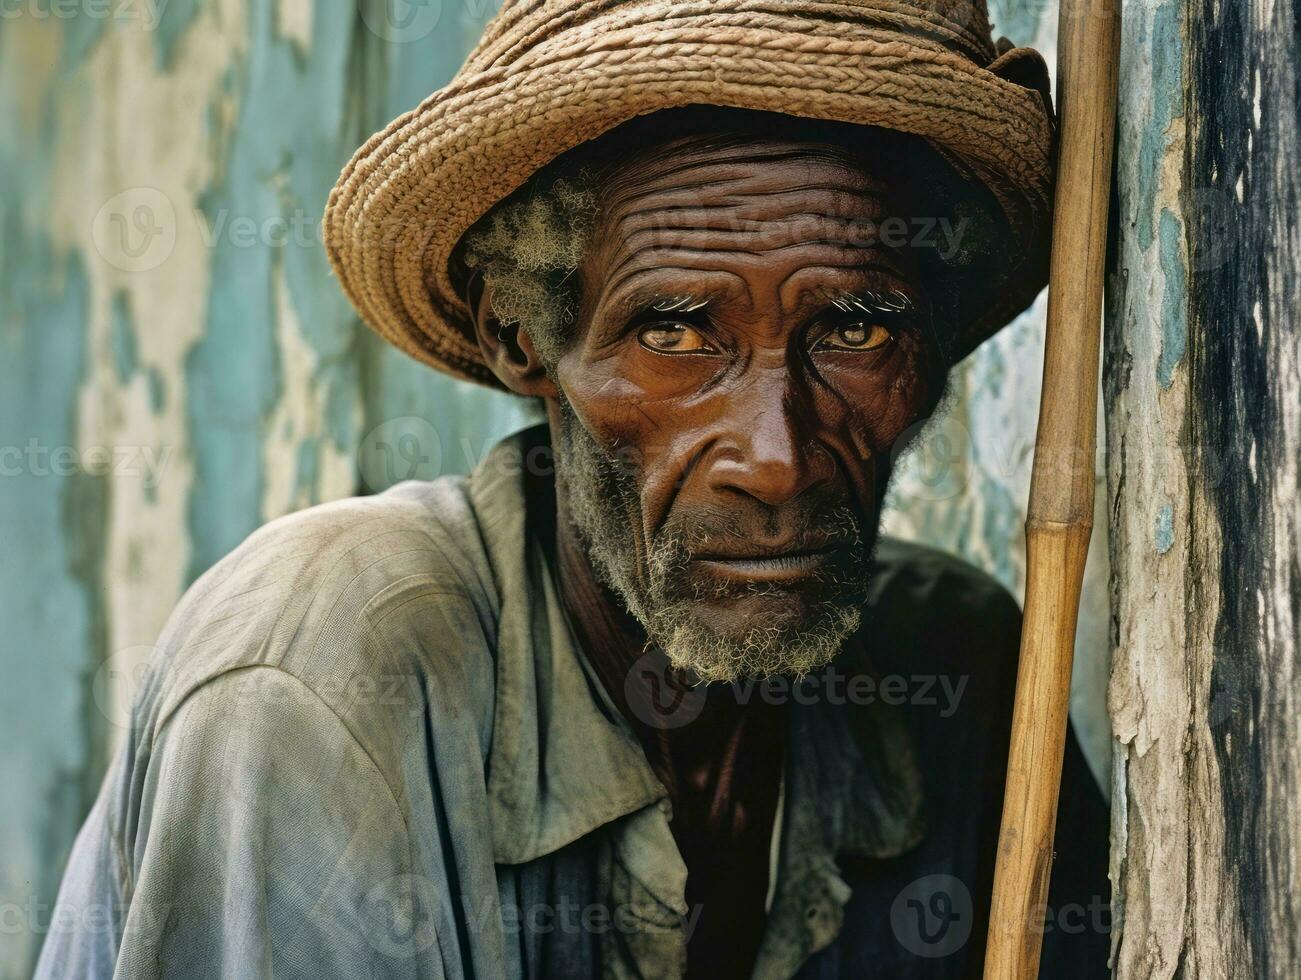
x,y
853,790
560,764
563,763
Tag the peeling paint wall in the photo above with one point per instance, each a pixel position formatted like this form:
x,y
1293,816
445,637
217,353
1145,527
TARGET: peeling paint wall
x,y
177,366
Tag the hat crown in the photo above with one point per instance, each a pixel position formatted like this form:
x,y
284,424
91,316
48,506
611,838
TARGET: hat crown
x,y
524,26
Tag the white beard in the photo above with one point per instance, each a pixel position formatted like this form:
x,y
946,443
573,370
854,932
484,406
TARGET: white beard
x,y
605,507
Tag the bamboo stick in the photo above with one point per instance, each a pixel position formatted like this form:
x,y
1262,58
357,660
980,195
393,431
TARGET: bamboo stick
x,y
1060,514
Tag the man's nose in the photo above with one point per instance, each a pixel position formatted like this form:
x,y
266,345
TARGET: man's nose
x,y
768,451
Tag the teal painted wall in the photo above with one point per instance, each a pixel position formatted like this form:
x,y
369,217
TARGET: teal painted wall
x,y
177,367
176,364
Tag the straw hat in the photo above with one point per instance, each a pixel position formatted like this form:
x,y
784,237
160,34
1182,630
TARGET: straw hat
x,y
548,76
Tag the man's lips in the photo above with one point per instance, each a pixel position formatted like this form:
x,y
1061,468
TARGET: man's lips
x,y
766,565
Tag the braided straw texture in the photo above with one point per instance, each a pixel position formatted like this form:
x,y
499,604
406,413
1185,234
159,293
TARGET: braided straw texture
x,y
547,76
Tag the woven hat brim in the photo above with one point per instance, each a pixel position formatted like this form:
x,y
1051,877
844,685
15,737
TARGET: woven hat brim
x,y
409,194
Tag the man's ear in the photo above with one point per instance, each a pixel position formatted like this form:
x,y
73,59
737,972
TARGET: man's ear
x,y
507,350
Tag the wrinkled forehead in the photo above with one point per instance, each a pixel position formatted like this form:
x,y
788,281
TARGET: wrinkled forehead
x,y
723,172
743,203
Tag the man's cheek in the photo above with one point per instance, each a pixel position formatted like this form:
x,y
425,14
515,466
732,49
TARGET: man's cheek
x,y
897,415
656,450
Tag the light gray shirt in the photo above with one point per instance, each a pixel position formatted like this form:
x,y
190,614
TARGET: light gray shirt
x,y
368,747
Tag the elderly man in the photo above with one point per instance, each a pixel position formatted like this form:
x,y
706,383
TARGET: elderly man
x,y
644,696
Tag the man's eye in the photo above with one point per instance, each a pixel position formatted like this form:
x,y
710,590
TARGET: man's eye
x,y
854,336
673,338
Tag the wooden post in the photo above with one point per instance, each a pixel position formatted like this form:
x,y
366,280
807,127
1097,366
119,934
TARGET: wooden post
x,y
1060,515
1203,355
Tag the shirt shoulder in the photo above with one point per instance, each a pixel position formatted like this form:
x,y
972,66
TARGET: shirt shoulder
x,y
905,569
928,603
259,835
374,604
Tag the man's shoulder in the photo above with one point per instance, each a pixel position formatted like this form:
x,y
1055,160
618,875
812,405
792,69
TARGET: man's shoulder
x,y
931,573
934,601
359,599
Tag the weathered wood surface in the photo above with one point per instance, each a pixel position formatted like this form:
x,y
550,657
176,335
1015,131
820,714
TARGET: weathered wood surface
x,y
1245,316
1204,417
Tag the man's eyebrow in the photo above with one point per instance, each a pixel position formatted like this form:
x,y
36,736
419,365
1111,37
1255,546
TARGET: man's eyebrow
x,y
873,301
686,303
661,301
863,300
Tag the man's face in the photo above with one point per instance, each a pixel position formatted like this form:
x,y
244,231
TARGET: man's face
x,y
748,359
